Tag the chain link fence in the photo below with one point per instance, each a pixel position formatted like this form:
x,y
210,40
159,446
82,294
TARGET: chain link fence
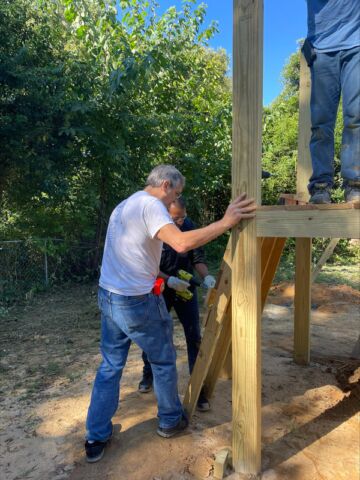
x,y
29,266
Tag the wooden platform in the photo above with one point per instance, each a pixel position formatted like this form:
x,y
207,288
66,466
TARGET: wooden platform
x,y
306,221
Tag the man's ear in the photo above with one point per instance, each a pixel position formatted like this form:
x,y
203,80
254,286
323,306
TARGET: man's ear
x,y
166,184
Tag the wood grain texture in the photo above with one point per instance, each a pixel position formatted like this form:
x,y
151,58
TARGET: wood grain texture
x,y
304,166
305,221
302,302
214,325
246,333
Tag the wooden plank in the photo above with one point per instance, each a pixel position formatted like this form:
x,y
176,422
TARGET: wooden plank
x,y
302,300
220,356
302,303
304,221
214,326
222,460
324,258
246,174
304,166
271,250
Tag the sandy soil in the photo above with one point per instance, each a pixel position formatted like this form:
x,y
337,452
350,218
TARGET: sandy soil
x,y
49,354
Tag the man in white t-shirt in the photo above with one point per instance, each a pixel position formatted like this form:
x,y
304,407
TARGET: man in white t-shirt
x,y
131,312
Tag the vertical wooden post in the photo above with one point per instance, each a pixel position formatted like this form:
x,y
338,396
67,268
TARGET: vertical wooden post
x,y
302,302
304,167
246,247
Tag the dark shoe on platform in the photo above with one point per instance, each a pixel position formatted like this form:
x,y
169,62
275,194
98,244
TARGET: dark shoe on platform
x,y
171,431
203,404
146,384
352,191
95,451
321,194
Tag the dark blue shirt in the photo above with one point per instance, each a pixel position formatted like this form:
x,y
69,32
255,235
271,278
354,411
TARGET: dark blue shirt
x,y
333,25
172,261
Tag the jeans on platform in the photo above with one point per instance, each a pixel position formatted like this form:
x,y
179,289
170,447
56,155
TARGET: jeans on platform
x,y
188,314
143,319
333,74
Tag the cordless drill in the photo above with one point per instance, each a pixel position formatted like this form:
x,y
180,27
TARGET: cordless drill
x,y
187,277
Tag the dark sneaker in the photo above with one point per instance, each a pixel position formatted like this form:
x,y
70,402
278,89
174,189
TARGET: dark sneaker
x,y
203,404
146,384
321,193
95,451
171,431
352,191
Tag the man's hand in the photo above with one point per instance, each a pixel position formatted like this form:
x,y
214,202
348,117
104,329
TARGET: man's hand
x,y
241,208
209,281
177,284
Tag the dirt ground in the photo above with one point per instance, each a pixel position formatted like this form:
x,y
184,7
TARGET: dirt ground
x,y
48,358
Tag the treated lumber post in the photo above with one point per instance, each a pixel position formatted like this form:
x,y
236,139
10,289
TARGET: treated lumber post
x,y
304,167
302,301
246,247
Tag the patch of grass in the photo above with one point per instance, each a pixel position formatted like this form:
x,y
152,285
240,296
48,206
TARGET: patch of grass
x,y
330,274
52,369
74,376
340,275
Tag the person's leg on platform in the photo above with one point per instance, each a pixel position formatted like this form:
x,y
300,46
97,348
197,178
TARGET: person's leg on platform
x,y
350,149
325,96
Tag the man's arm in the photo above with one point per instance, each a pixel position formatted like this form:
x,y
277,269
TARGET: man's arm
x,y
182,242
201,269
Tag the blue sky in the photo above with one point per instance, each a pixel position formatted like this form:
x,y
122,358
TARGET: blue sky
x,y
284,24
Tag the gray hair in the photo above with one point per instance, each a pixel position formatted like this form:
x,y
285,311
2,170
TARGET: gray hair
x,y
165,172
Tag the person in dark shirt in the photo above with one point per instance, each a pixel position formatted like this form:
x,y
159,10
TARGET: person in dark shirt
x,y
186,310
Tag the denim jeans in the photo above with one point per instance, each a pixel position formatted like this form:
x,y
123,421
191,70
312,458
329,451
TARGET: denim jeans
x,y
333,74
143,319
188,314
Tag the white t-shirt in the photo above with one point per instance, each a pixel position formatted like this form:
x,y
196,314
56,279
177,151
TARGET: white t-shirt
x,y
132,254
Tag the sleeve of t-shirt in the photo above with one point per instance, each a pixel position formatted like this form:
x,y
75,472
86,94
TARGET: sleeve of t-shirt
x,y
156,216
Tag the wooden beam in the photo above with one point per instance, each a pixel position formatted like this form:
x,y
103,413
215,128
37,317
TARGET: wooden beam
x,y
304,166
302,302
246,280
220,355
327,221
271,250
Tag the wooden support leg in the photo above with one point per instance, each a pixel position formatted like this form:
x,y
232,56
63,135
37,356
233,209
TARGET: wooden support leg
x,y
220,355
302,303
213,330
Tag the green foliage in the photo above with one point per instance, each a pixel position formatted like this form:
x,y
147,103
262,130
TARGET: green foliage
x,y
94,94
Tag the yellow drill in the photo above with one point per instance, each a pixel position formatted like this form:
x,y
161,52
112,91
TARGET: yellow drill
x,y
187,277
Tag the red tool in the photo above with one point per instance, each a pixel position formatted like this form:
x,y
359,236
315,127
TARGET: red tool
x,y
159,286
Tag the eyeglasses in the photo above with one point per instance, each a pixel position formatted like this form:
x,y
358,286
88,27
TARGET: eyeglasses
x,y
178,219
178,195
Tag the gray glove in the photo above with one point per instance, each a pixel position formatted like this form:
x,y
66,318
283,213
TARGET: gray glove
x,y
177,284
209,281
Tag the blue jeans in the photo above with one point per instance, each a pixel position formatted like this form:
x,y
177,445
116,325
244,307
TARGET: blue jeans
x,y
188,315
143,319
333,74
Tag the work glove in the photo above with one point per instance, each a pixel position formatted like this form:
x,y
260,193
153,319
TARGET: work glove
x,y
209,281
177,284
